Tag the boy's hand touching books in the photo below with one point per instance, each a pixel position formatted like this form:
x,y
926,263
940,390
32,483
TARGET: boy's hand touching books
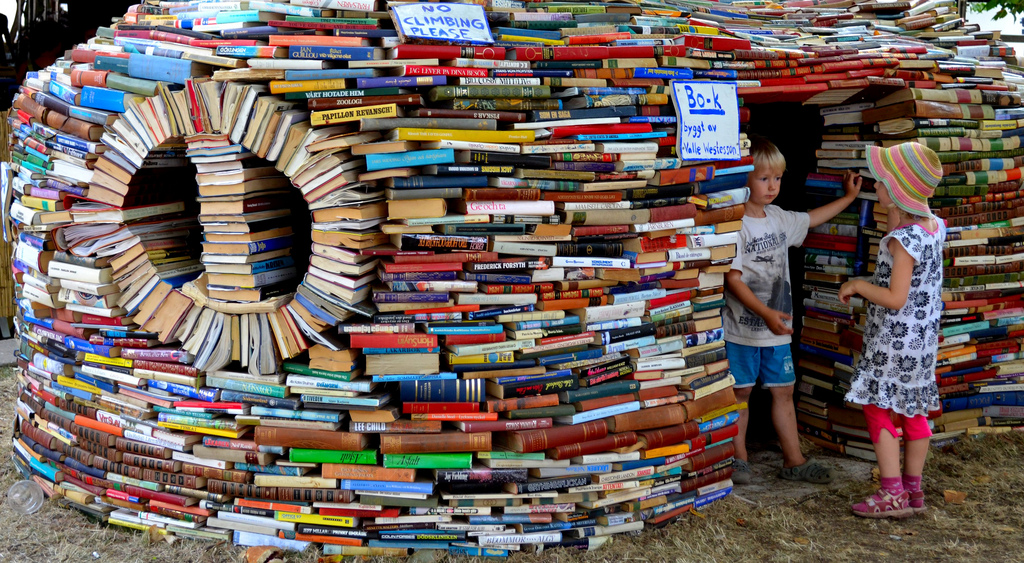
x,y
851,183
776,321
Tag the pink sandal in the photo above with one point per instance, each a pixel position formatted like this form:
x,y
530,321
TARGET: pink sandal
x,y
916,502
885,505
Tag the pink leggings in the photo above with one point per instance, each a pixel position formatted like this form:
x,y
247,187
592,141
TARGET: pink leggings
x,y
914,427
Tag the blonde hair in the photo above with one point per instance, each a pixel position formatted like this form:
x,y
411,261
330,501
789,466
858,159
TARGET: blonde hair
x,y
766,154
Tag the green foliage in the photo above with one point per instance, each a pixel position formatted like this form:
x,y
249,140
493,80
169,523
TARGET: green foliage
x,y
1004,8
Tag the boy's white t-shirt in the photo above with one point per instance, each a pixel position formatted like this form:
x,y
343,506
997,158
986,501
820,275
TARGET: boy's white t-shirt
x,y
763,256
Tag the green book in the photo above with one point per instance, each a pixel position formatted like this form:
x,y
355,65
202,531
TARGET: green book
x,y
138,86
341,93
599,391
303,369
541,412
509,455
303,455
429,461
268,389
349,21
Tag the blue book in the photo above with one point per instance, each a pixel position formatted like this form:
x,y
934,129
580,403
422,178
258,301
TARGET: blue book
x,y
598,91
721,183
270,469
401,81
207,394
231,396
623,136
369,33
501,519
328,73
415,377
73,392
550,526
670,73
426,488
543,33
238,16
106,386
64,92
638,463
571,357
177,71
267,245
104,99
385,161
332,53
320,416
735,170
83,345
435,350
458,391
538,377
273,264
711,497
652,119
491,313
259,32
315,310
720,74
963,403
468,329
1009,398
178,281
440,182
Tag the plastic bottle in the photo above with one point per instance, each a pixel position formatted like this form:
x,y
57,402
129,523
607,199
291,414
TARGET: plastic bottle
x,y
26,497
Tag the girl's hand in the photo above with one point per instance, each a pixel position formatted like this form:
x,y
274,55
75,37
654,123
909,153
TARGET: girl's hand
x,y
851,183
848,290
776,321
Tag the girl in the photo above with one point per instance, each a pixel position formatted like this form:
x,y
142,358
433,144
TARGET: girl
x,y
896,373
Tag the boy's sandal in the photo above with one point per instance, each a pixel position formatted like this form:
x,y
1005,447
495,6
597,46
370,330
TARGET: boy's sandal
x,y
741,473
811,471
884,505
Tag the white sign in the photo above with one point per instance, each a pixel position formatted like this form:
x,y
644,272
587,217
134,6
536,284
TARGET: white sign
x,y
708,120
455,23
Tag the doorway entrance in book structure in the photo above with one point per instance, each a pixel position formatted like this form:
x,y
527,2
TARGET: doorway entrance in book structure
x,y
796,130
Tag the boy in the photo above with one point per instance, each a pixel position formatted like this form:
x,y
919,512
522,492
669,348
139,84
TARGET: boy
x,y
759,307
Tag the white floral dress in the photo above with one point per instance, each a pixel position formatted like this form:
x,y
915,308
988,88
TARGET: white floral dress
x,y
897,369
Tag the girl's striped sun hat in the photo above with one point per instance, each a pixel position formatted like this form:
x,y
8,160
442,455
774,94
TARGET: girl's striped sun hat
x,y
910,171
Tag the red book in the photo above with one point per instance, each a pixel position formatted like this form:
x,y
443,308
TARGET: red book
x,y
601,129
456,339
205,405
518,288
214,43
452,309
669,299
595,39
459,257
392,268
418,408
713,42
456,416
393,341
420,70
603,197
504,425
446,52
97,320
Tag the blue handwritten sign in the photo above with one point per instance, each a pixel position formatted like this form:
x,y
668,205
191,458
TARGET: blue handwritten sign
x,y
438,21
708,118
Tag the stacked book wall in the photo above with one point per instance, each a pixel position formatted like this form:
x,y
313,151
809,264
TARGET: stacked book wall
x,y
502,332
959,97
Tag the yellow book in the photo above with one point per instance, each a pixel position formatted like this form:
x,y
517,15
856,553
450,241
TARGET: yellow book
x,y
493,358
298,481
719,412
224,432
97,359
55,434
342,115
284,86
412,134
143,526
76,384
984,125
40,203
665,451
525,39
320,519
157,17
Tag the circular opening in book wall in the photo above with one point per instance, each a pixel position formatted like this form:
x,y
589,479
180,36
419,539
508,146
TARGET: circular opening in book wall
x,y
277,270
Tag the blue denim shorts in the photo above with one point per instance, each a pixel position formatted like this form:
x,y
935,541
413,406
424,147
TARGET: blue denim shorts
x,y
772,365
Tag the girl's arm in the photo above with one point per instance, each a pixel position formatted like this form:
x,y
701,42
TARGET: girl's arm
x,y
892,297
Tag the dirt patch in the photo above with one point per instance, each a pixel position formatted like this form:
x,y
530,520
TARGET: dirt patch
x,y
769,520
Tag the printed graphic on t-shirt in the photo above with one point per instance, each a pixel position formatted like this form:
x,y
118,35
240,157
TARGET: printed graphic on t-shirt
x,y
765,274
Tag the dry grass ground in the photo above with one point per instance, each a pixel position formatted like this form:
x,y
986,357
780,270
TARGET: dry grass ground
x,y
772,520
